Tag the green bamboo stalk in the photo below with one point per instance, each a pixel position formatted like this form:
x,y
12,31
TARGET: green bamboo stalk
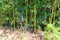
x,y
54,11
13,16
26,3
26,17
35,18
30,12
50,18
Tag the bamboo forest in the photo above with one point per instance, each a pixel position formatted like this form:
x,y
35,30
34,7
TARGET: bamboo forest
x,y
29,19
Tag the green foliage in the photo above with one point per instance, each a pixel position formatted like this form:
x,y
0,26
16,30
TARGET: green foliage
x,y
31,13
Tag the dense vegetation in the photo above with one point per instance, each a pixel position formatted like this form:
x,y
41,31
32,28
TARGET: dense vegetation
x,y
37,14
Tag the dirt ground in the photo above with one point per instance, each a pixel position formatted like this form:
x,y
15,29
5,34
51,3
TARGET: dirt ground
x,y
9,34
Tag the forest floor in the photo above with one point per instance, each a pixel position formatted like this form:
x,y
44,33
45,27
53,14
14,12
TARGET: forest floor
x,y
9,34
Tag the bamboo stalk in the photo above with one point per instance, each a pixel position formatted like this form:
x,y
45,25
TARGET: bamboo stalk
x,y
30,12
54,11
26,17
13,16
35,18
26,3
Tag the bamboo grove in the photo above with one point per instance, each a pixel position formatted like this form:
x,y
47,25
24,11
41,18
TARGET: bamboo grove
x,y
29,13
